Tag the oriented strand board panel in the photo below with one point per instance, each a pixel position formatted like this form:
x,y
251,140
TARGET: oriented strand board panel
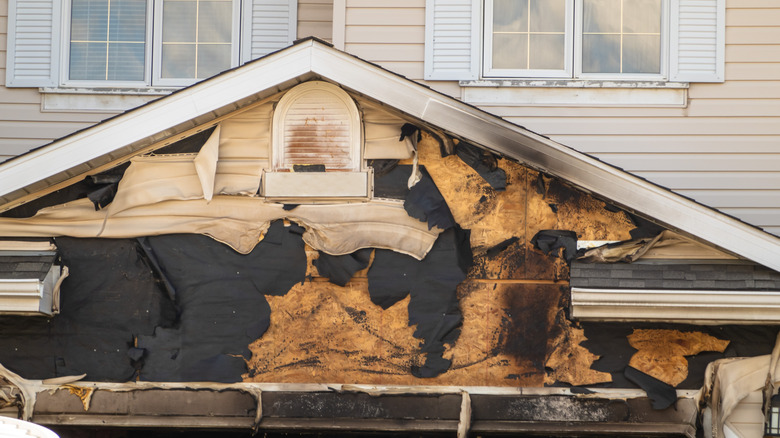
x,y
514,331
329,334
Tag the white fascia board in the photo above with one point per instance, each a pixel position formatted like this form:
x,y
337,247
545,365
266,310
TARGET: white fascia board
x,y
681,306
153,118
542,153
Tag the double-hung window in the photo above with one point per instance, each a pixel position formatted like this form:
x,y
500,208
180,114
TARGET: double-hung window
x,y
132,44
120,41
574,38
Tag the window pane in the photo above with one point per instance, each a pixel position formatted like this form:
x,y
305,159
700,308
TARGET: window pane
x,y
178,61
125,61
179,17
641,54
108,40
547,52
601,16
212,59
510,15
529,34
89,20
510,51
621,36
128,21
214,21
88,61
548,16
601,53
642,16
197,38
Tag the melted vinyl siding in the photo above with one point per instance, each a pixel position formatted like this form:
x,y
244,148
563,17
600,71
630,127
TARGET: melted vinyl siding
x,y
315,18
722,148
747,419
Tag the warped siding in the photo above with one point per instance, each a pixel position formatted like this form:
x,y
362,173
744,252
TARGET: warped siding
x,y
722,149
747,419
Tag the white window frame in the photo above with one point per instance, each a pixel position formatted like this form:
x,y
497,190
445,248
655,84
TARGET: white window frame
x,y
153,56
65,50
489,71
664,61
157,79
573,50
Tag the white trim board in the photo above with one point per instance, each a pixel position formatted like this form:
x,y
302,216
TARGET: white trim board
x,y
685,306
183,110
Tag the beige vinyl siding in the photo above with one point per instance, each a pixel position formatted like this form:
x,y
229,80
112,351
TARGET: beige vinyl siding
x,y
388,33
747,419
315,18
24,126
722,148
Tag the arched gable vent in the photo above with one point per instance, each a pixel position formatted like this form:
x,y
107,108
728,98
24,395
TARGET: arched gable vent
x,y
317,123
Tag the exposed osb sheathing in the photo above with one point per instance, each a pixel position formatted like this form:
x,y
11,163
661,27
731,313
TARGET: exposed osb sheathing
x,y
569,362
325,333
513,325
526,207
662,352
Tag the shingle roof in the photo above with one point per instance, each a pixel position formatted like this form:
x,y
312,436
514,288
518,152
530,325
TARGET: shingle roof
x,y
675,275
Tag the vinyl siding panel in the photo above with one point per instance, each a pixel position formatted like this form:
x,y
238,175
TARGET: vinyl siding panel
x,y
747,418
721,149
24,125
390,34
315,18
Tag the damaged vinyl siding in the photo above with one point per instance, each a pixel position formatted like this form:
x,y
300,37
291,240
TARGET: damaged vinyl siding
x,y
455,273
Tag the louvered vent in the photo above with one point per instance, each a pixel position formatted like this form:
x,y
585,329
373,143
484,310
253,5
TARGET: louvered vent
x,y
317,123
317,131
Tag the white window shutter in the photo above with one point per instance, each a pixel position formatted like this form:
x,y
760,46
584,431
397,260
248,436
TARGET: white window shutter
x,y
268,26
697,40
33,43
452,39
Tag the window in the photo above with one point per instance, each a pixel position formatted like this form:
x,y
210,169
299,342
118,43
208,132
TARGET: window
x,y
107,40
191,39
116,44
649,40
197,38
573,38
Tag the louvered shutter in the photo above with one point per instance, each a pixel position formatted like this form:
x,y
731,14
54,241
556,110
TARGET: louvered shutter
x,y
697,40
452,39
33,43
269,25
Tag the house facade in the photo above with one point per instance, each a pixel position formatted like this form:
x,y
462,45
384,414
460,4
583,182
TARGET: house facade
x,y
270,255
711,141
